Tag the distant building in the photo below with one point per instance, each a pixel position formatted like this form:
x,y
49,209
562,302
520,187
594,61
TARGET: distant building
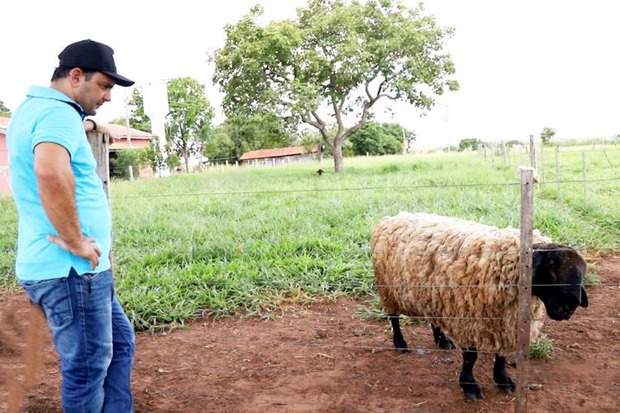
x,y
121,140
4,157
278,156
135,139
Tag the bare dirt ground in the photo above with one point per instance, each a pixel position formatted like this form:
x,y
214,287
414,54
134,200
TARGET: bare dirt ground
x,y
325,358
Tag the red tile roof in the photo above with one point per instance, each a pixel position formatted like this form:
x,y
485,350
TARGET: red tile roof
x,y
124,144
120,132
274,153
116,131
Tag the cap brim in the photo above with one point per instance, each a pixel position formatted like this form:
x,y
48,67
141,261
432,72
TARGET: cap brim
x,y
120,80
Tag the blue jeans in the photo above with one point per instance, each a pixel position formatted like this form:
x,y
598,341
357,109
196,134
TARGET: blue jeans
x,y
94,340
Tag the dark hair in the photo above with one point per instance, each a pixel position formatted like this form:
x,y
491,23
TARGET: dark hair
x,y
63,71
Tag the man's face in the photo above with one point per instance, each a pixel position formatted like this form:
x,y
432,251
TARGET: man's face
x,y
93,91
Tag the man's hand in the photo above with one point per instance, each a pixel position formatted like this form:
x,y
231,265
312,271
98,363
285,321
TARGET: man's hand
x,y
86,249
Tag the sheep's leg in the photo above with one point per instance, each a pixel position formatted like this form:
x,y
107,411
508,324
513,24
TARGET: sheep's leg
x,y
399,341
466,380
441,341
501,377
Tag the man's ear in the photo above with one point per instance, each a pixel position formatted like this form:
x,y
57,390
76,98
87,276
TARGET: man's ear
x,y
74,75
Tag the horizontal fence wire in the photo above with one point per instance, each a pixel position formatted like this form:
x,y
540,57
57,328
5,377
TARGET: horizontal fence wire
x,y
360,314
341,403
366,188
264,371
327,286
367,380
397,382
331,287
233,343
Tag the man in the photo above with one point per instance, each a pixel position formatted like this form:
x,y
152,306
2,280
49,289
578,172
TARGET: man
x,y
64,235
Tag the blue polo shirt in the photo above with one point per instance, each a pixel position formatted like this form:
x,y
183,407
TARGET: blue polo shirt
x,y
48,115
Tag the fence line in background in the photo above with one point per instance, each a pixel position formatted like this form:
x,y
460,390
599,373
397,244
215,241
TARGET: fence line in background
x,y
538,162
367,188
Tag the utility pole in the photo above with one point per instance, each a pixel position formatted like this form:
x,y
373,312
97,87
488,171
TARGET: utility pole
x,y
156,108
127,119
448,126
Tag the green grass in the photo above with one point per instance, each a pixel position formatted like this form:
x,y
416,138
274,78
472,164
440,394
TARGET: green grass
x,y
8,243
541,348
246,240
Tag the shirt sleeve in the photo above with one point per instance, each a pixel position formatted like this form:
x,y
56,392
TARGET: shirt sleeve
x,y
61,125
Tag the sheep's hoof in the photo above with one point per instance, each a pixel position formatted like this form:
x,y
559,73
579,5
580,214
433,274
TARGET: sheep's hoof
x,y
508,386
473,392
446,344
401,346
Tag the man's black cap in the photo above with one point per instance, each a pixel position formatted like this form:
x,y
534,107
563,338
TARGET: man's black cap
x,y
92,55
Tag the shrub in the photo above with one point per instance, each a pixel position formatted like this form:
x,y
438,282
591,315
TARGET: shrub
x,y
541,348
121,160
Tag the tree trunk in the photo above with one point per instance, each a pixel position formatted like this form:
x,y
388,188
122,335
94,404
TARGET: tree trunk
x,y
338,159
186,159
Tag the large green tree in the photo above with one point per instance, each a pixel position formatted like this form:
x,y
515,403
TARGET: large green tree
x,y
381,139
137,117
332,64
546,135
220,146
189,118
4,111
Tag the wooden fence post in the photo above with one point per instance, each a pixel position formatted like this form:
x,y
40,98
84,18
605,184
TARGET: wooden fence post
x,y
532,152
525,288
541,163
100,143
557,167
583,168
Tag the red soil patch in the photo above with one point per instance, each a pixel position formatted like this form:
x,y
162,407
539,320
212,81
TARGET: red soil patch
x,y
325,358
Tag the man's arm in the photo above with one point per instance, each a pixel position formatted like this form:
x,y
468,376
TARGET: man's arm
x,y
56,183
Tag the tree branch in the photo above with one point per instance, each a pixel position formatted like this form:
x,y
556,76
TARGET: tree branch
x,y
372,99
337,114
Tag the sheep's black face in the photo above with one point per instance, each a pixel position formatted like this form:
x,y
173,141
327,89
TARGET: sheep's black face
x,y
558,280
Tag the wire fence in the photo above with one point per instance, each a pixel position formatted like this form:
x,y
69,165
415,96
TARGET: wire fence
x,y
16,393
334,351
331,350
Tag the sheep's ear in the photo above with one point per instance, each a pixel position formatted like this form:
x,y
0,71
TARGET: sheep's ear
x,y
537,258
584,298
542,257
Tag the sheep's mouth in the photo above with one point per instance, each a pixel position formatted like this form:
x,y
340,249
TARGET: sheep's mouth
x,y
561,315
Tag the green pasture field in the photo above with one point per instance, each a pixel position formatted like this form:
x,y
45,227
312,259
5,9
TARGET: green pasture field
x,y
244,240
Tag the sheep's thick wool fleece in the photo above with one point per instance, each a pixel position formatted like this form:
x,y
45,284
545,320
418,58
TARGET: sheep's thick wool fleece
x,y
464,272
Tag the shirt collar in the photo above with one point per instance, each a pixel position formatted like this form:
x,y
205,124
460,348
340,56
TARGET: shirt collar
x,y
51,93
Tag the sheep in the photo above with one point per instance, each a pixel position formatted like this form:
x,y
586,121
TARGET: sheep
x,y
461,275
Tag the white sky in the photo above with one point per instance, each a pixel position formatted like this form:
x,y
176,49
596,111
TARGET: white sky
x,y
522,65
